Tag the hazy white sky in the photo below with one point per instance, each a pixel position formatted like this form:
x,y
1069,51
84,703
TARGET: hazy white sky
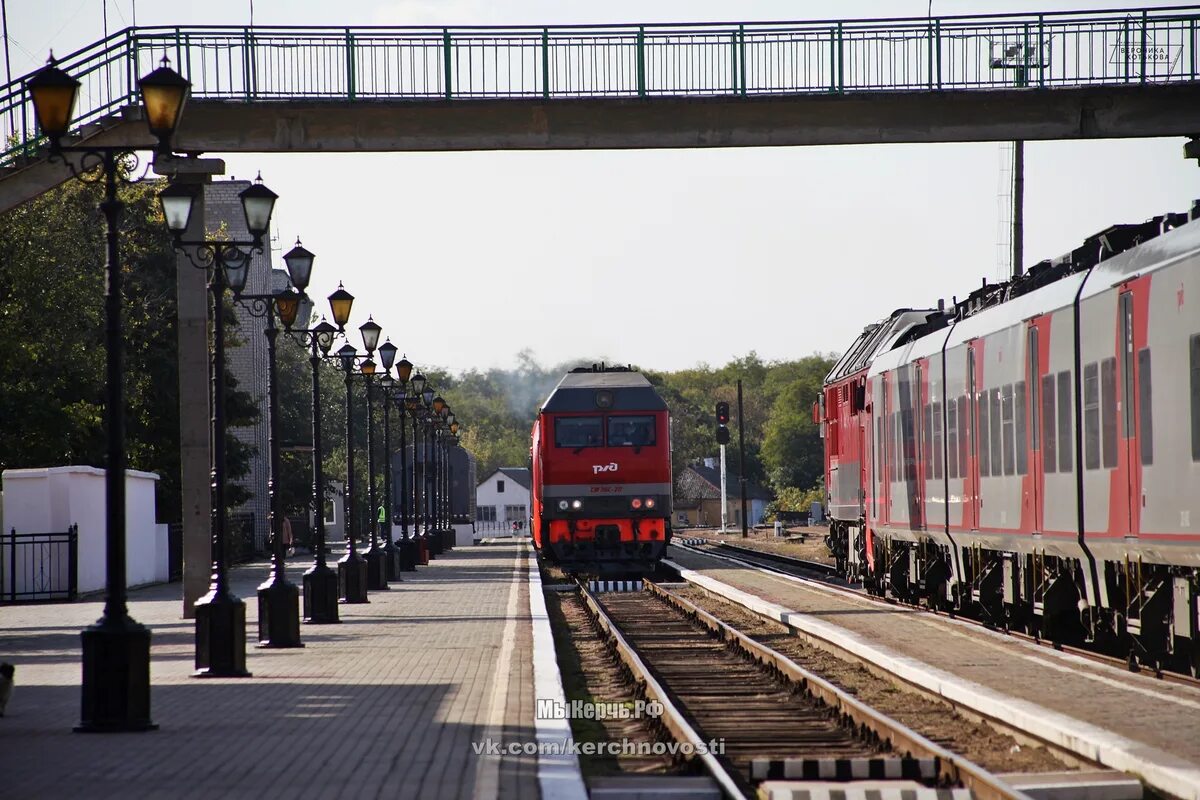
x,y
659,257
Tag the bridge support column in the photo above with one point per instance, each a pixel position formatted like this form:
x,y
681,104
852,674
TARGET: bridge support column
x,y
192,332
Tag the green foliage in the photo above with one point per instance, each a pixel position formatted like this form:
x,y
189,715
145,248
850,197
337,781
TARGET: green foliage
x,y
52,357
793,498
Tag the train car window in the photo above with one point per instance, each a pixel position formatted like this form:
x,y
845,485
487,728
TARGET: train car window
x,y
927,440
996,432
952,438
1049,453
939,446
1019,430
908,440
630,431
964,435
1108,392
985,461
1066,459
1145,407
578,431
876,450
1091,416
1006,429
1194,355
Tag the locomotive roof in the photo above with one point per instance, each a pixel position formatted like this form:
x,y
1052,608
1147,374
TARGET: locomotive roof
x,y
630,392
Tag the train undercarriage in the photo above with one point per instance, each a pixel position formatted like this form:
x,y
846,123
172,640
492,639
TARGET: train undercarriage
x,y
1148,614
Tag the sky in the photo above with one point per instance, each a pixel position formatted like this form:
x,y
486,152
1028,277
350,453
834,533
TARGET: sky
x,y
662,258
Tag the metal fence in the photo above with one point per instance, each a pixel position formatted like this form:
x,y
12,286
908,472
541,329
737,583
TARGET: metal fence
x,y
39,567
1130,46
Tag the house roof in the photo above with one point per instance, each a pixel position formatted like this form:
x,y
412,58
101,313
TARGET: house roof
x,y
712,476
518,475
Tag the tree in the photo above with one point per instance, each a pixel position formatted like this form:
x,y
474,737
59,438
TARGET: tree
x,y
52,336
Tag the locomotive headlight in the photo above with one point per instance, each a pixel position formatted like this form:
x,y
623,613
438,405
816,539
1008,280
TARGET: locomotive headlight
x,y
576,504
637,503
562,505
649,502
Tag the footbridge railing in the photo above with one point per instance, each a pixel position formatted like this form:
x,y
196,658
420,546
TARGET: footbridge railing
x,y
270,64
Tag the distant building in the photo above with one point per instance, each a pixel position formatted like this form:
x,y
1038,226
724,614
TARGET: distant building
x,y
698,497
502,499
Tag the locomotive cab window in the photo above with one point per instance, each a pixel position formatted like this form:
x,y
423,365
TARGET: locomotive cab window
x,y
578,432
630,431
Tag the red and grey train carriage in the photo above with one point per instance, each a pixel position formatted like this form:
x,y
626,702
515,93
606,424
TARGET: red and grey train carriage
x,y
601,452
1033,453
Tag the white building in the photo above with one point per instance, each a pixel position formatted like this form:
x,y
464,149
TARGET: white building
x,y
502,499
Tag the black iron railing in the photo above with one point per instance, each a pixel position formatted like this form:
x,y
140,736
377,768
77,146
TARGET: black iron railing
x,y
39,567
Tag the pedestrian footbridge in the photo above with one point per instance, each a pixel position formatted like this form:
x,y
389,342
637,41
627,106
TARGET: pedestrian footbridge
x,y
1069,75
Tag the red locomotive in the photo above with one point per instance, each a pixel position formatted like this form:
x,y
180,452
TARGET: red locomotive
x,y
602,473
1015,457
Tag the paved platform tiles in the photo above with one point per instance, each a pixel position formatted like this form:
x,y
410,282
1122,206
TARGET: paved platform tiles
x,y
1159,720
385,704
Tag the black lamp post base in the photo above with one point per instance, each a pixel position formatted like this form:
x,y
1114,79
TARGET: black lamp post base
x,y
352,579
279,614
321,595
220,637
448,539
391,561
435,543
116,677
376,569
408,555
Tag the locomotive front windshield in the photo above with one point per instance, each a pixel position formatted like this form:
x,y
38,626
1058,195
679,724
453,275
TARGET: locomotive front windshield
x,y
630,431
579,432
622,430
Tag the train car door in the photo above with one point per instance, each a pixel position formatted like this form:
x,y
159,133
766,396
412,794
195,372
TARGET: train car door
x,y
1033,486
971,493
1131,418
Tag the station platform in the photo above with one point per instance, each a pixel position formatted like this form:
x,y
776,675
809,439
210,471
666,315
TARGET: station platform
x,y
1134,723
398,700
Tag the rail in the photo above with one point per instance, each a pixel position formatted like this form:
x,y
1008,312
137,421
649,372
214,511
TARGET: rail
x,y
363,64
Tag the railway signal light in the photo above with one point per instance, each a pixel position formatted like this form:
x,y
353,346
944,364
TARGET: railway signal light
x,y
722,413
722,434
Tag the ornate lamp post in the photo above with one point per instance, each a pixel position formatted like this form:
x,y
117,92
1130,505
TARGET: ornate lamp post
x,y
374,556
220,614
433,535
406,546
352,568
116,649
278,598
320,581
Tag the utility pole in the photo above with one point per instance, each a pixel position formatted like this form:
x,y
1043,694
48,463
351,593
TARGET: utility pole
x,y
742,459
724,496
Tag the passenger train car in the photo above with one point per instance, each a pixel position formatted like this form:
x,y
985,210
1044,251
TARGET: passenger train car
x,y
601,453
1032,454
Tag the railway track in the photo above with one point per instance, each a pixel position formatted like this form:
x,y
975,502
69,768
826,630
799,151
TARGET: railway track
x,y
768,717
827,574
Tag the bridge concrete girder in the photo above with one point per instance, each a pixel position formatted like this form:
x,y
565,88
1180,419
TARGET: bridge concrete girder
x,y
667,122
364,125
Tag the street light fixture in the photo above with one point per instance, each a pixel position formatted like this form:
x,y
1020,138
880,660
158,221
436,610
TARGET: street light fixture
x,y
278,598
116,649
320,581
220,614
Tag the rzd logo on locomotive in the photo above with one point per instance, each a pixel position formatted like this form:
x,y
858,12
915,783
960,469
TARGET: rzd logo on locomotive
x,y
609,467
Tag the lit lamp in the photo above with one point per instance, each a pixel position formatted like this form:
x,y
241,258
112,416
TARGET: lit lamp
x,y
340,303
404,371
116,650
